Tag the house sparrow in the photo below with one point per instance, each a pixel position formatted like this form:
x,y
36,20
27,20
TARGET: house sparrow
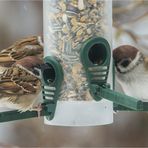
x,y
132,71
20,85
30,46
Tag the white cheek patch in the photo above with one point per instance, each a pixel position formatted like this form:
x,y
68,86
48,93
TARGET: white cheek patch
x,y
138,59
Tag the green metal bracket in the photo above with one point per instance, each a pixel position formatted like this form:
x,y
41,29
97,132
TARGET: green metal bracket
x,y
15,115
52,76
95,56
122,108
120,99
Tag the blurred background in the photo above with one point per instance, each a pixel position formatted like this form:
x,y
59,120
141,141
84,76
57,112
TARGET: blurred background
x,y
19,19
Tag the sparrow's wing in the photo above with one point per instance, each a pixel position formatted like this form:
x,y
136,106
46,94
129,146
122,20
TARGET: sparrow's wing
x,y
18,81
20,84
26,47
19,88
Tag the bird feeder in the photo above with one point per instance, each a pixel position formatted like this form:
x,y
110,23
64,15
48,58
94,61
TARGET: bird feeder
x,y
78,70
77,36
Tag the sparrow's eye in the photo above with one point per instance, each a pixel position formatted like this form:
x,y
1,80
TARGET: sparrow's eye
x,y
125,62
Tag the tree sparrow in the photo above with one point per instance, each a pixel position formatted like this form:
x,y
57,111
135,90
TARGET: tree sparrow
x,y
20,84
132,71
30,46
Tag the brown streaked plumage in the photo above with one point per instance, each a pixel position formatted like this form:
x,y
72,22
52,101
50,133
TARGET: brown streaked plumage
x,y
19,84
30,46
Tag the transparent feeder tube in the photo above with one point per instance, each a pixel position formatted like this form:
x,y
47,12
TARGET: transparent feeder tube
x,y
67,25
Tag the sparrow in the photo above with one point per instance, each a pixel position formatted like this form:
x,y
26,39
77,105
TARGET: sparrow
x,y
30,46
20,85
132,71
